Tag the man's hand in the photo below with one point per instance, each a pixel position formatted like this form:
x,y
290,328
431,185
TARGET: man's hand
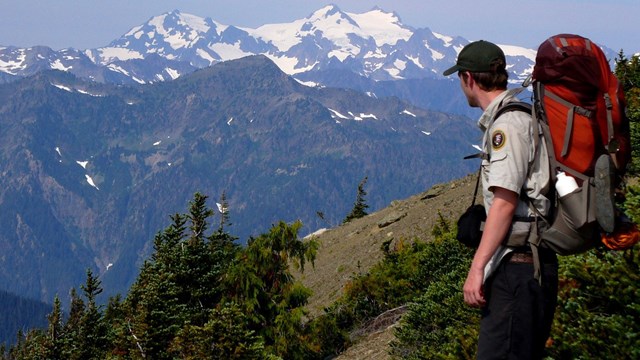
x,y
495,229
473,291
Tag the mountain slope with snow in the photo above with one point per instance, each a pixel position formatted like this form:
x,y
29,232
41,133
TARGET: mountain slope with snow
x,y
374,44
93,171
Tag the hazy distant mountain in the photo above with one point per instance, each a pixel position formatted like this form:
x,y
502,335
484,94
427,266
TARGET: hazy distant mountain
x,y
91,172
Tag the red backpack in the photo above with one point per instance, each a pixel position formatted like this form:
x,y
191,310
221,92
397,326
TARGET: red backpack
x,y
583,103
579,105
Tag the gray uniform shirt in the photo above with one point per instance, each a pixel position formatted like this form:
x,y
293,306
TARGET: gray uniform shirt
x,y
508,140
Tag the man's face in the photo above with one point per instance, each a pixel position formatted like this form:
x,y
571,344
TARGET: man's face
x,y
467,88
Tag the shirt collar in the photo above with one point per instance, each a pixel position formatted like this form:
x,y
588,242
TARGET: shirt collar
x,y
487,116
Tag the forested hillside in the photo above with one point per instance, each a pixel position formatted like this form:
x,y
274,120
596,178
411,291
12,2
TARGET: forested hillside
x,y
19,313
92,170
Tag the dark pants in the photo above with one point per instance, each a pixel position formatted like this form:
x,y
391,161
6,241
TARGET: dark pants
x,y
516,321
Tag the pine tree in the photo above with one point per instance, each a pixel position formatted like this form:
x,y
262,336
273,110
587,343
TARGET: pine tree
x,y
223,208
360,206
93,342
55,330
155,312
115,322
225,336
181,283
72,328
628,73
260,282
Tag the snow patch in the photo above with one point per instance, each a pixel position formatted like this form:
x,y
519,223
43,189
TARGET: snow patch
x,y
289,65
173,73
88,93
510,50
58,65
206,56
316,233
13,67
111,54
311,84
195,22
384,27
62,87
368,116
222,209
407,112
416,61
400,64
395,73
90,181
337,114
228,51
446,39
436,55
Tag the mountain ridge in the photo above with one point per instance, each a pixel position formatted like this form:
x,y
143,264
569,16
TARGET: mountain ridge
x,y
93,171
375,51
375,44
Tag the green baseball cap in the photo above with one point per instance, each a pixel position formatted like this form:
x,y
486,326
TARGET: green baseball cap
x,y
478,56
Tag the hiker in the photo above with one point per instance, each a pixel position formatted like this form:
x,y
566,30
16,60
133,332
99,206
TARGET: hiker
x,y
517,307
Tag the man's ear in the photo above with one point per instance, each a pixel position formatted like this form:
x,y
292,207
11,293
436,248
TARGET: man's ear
x,y
466,78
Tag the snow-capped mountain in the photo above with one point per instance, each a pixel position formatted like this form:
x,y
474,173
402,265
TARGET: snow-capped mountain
x,y
375,44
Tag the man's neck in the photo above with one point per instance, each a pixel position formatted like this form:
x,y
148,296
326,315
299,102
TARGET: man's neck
x,y
486,97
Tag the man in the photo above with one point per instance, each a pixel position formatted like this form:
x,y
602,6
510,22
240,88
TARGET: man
x,y
517,305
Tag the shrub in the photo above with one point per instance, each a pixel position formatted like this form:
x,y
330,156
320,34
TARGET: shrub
x,y
598,314
438,324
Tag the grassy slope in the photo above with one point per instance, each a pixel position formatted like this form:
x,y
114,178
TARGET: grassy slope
x,y
355,247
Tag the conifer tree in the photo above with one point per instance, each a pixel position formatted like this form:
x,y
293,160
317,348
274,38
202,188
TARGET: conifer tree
x,y
55,330
360,206
223,208
260,282
72,328
93,333
181,283
155,312
115,323
225,336
628,73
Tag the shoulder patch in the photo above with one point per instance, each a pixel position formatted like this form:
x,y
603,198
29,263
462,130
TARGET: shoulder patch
x,y
498,139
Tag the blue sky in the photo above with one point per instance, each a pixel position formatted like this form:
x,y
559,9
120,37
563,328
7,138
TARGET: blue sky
x,y
86,24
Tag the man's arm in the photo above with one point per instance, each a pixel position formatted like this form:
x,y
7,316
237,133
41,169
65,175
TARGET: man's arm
x,y
496,227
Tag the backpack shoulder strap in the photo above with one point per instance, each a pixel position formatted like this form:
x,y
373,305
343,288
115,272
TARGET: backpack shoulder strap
x,y
514,106
540,222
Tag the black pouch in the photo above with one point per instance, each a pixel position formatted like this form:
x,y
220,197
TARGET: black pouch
x,y
470,226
